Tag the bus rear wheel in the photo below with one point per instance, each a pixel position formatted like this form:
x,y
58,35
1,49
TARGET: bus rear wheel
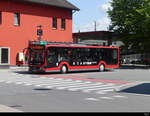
x,y
101,67
64,69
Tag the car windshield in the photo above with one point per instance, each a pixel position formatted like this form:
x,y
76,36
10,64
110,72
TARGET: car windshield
x,y
36,57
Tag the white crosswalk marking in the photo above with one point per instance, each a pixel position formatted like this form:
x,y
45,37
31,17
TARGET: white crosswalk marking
x,y
27,84
80,86
94,86
103,88
66,84
8,82
18,83
107,98
60,83
105,91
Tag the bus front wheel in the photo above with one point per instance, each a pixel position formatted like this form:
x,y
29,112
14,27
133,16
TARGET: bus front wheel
x,y
101,67
64,69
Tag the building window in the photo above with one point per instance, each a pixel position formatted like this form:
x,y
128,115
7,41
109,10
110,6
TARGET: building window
x,y
16,19
63,24
4,55
0,17
54,23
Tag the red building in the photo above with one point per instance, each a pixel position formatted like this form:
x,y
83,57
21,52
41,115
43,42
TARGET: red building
x,y
19,20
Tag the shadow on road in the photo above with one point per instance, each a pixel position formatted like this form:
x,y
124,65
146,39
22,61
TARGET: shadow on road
x,y
143,88
45,73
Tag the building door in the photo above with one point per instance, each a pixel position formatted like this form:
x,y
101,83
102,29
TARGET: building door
x,y
4,55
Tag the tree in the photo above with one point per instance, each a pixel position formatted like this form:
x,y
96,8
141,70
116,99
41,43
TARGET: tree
x,y
131,21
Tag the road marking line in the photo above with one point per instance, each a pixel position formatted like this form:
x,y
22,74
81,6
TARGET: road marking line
x,y
84,84
86,79
44,83
47,82
38,85
27,84
49,87
9,82
65,85
18,83
63,82
102,93
119,96
85,87
94,86
88,90
56,80
105,91
108,98
41,85
91,99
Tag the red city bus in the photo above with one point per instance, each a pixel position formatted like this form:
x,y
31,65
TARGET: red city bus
x,y
46,57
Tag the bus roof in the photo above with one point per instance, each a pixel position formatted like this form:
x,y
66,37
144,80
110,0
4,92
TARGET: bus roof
x,y
60,44
81,46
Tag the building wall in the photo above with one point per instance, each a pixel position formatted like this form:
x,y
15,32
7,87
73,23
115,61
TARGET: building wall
x,y
101,38
31,15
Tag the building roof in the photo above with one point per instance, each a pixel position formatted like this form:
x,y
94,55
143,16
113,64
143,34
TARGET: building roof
x,y
56,3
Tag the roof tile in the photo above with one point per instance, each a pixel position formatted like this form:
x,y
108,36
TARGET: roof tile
x,y
57,3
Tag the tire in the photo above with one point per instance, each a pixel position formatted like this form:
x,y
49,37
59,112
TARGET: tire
x,y
64,69
101,67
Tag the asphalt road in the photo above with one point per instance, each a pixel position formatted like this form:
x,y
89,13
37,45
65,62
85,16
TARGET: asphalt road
x,y
120,90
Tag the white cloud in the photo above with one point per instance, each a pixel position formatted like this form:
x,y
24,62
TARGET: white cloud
x,y
105,7
101,25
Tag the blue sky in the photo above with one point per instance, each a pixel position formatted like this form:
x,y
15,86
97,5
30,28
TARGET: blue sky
x,y
90,11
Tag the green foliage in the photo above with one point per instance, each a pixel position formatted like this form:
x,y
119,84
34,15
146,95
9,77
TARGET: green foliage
x,y
131,20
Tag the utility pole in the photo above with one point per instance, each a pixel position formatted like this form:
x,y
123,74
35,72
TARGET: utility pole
x,y
95,26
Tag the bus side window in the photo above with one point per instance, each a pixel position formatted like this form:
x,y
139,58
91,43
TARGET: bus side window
x,y
64,54
73,54
100,53
78,54
52,56
94,54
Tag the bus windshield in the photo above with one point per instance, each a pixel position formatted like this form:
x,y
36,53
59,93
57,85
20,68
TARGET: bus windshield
x,y
36,57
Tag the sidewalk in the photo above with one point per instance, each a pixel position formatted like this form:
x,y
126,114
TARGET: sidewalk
x,y
14,68
4,108
134,66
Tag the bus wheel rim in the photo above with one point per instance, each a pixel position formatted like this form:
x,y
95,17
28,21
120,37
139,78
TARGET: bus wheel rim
x,y
102,67
64,69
